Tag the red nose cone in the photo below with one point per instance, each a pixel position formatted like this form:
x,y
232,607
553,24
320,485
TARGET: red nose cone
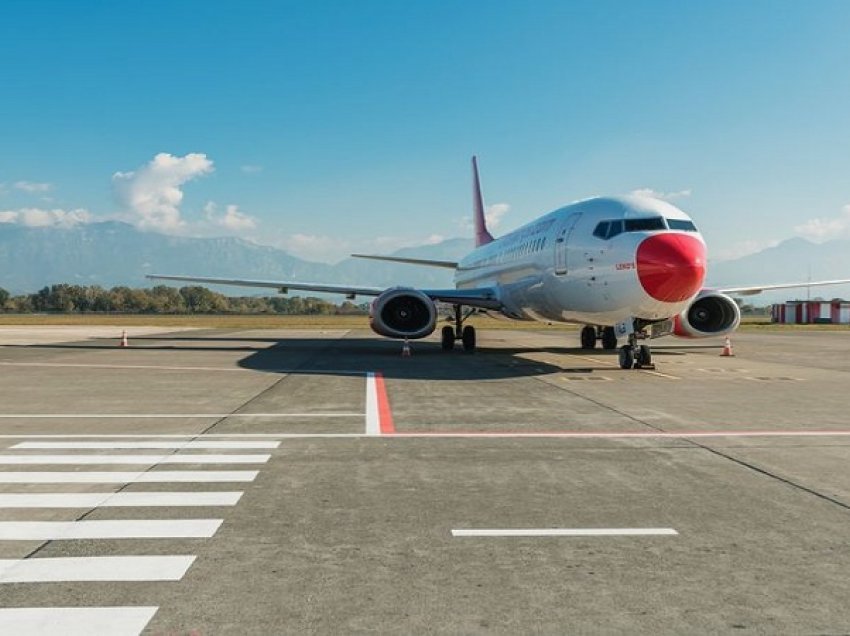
x,y
671,267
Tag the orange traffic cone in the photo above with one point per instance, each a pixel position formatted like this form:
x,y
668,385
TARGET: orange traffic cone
x,y
727,348
405,349
124,342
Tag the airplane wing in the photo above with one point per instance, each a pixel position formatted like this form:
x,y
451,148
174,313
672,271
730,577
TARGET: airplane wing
x,y
409,261
481,297
757,289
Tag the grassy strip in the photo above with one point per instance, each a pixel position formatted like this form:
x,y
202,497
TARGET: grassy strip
x,y
229,321
271,321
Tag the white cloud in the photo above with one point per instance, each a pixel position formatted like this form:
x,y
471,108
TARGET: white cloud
x,y
251,168
37,217
664,196
494,213
824,229
32,186
233,219
153,192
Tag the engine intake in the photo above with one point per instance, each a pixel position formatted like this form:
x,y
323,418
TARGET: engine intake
x,y
711,314
403,313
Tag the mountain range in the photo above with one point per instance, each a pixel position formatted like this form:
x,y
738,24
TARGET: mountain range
x,y
113,253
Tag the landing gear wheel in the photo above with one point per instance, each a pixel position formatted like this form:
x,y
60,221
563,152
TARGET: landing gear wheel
x,y
588,337
468,338
627,357
644,356
609,338
448,338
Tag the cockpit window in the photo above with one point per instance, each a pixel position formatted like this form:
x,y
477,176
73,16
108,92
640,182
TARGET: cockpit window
x,y
645,225
601,230
682,224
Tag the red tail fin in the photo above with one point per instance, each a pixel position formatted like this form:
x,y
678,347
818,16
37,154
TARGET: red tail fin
x,y
482,236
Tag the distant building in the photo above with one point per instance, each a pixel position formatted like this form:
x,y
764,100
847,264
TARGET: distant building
x,y
807,312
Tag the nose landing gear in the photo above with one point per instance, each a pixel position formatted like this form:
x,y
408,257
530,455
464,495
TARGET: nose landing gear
x,y
634,355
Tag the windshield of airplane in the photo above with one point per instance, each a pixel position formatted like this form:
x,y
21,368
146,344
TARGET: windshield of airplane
x,y
682,224
610,229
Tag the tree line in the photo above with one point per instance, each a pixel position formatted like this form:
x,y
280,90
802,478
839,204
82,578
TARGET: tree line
x,y
162,299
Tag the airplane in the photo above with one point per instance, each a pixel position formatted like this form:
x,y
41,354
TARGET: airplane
x,y
628,268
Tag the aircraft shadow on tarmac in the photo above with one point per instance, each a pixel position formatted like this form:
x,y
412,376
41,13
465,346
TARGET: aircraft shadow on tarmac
x,y
325,356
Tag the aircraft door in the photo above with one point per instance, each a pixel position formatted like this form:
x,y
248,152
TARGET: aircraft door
x,y
561,242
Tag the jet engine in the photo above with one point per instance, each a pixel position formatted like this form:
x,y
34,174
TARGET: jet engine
x,y
711,314
403,313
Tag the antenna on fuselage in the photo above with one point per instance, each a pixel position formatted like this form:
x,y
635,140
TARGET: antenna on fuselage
x,y
482,236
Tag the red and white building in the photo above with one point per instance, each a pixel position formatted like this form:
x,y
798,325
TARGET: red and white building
x,y
806,312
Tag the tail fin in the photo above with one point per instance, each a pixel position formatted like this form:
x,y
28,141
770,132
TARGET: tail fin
x,y
482,236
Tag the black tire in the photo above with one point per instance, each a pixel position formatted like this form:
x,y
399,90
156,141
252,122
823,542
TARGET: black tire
x,y
468,338
609,338
627,358
644,357
448,338
588,337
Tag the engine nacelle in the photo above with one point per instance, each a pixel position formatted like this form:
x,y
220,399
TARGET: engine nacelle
x,y
403,313
711,314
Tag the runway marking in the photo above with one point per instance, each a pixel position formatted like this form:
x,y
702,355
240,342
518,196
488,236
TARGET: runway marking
x,y
110,477
435,434
135,459
117,499
384,412
105,568
75,621
563,532
623,435
379,417
162,416
373,422
123,529
189,445
662,375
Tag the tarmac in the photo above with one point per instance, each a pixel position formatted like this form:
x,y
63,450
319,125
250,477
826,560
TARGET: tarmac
x,y
297,481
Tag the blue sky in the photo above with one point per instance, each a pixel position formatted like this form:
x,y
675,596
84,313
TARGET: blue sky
x,y
329,127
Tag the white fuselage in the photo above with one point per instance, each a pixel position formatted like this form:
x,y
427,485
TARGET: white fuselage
x,y
562,267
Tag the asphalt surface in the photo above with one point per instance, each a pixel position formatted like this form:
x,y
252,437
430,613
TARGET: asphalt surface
x,y
710,495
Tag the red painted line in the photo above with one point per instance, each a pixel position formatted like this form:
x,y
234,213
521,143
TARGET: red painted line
x,y
385,414
628,434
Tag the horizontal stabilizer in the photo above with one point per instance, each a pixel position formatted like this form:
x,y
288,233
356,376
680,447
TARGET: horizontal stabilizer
x,y
409,261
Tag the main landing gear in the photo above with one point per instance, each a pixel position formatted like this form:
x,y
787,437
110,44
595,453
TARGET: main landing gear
x,y
590,334
466,334
634,355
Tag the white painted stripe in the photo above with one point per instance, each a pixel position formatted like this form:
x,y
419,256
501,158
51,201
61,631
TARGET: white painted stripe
x,y
135,459
75,621
470,435
118,477
373,421
563,532
158,416
117,499
109,568
118,529
189,445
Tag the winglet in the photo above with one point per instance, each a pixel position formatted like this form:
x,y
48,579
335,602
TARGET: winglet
x,y
482,236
